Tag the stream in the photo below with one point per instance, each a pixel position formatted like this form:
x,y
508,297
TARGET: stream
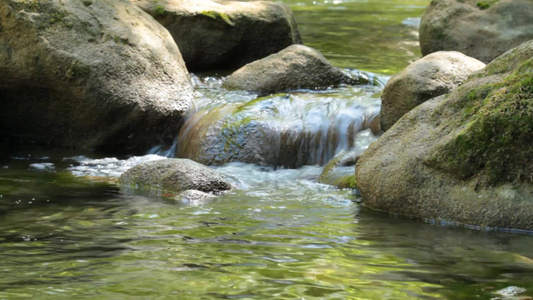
x,y
68,232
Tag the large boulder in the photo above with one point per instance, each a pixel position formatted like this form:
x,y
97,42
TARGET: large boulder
x,y
89,74
295,67
431,76
224,34
481,29
464,157
176,175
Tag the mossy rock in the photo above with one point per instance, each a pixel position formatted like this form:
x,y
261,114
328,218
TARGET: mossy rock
x,y
464,157
280,130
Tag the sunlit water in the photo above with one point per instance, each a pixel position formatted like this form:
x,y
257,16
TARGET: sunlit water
x,y
68,232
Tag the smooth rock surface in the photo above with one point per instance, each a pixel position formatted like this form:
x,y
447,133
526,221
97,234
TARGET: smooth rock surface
x,y
463,157
431,76
102,75
479,29
215,35
295,67
176,175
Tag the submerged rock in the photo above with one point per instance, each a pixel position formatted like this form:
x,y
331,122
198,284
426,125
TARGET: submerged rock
x,y
224,34
481,29
463,157
84,74
296,67
431,76
176,175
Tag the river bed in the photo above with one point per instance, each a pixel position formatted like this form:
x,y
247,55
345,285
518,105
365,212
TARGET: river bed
x,y
68,232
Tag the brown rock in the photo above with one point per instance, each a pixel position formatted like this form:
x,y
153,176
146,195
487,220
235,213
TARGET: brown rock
x,y
431,76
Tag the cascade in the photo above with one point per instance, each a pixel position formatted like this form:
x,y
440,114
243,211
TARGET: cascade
x,y
282,130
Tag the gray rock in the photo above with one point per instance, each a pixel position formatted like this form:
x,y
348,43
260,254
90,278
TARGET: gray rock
x,y
463,157
175,175
431,76
480,29
224,34
295,67
100,74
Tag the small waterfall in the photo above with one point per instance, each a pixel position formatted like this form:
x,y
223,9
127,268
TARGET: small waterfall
x,y
283,130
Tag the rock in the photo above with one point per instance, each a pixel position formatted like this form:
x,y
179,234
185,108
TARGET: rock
x,y
480,29
224,34
84,74
463,157
295,67
339,171
175,175
431,76
279,130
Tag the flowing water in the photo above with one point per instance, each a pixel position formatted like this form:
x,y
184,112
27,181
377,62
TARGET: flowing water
x,y
68,232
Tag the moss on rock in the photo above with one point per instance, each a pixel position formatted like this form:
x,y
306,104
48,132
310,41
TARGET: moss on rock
x,y
215,15
496,140
464,157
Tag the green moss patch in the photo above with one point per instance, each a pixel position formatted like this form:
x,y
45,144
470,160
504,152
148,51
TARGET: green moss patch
x,y
495,140
485,4
218,15
58,16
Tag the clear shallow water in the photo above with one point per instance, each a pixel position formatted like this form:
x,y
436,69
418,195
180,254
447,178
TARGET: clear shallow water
x,y
281,235
68,232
